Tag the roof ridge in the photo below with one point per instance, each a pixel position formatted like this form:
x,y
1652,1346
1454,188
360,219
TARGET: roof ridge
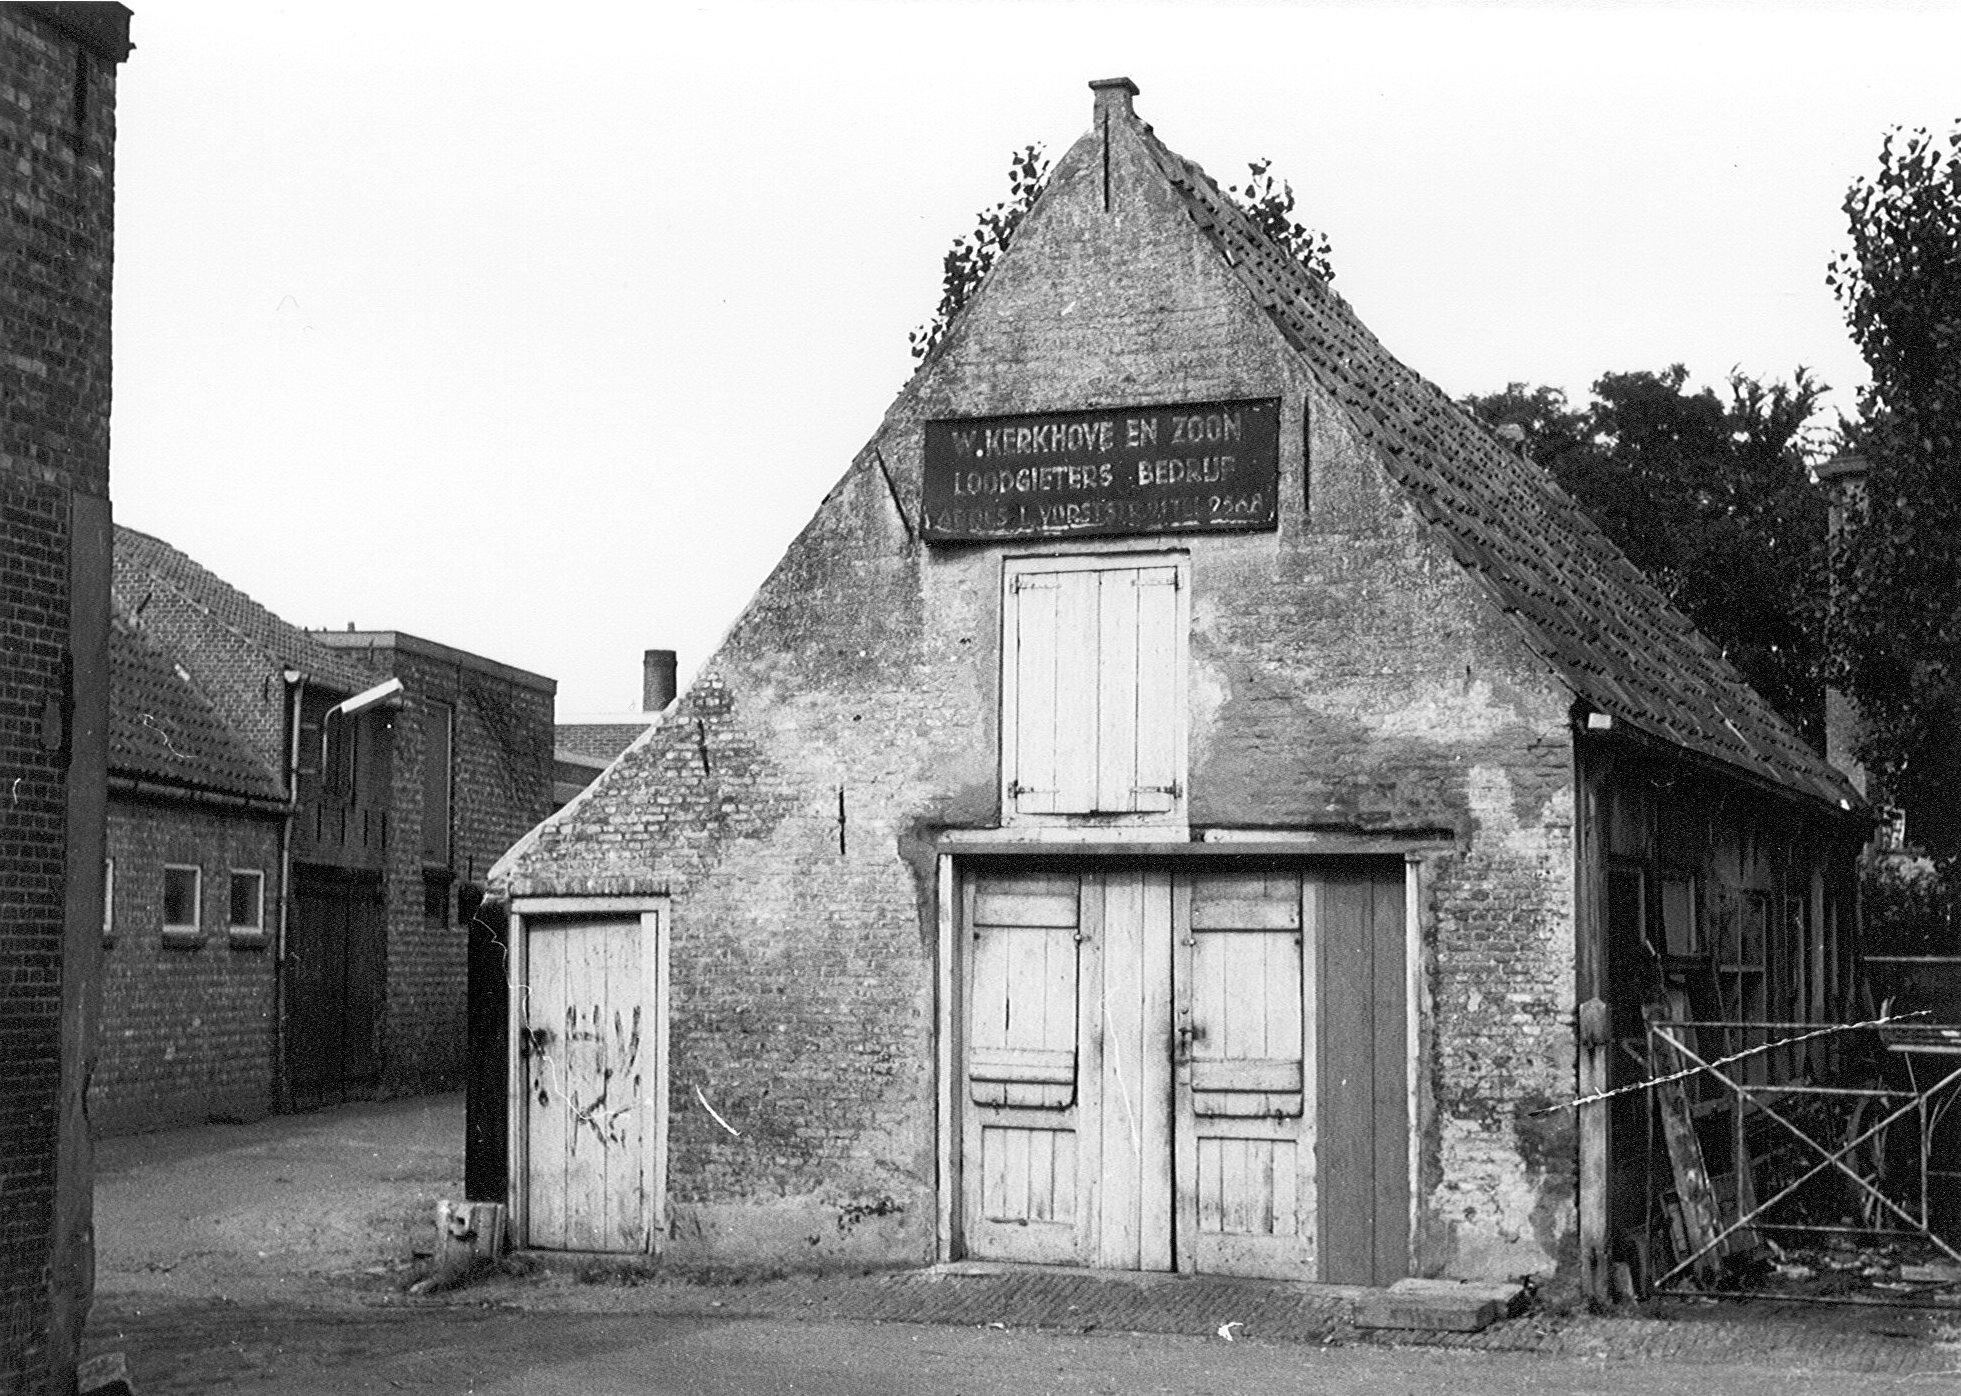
x,y
135,613
320,656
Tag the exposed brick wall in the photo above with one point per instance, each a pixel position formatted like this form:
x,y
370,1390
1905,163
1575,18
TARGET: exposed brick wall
x,y
1496,1176
57,133
501,786
1345,675
188,1031
33,595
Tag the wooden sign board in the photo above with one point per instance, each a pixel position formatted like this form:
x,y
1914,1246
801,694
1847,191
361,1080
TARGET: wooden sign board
x,y
1185,468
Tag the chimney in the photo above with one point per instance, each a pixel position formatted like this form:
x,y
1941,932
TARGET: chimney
x,y
1112,107
1843,478
656,680
1113,98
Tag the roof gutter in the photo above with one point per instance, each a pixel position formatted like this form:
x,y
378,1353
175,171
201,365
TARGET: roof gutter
x,y
141,787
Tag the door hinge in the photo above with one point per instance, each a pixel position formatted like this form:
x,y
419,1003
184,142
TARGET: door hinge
x,y
1174,790
1016,790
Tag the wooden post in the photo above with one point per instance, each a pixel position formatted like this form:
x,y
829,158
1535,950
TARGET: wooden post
x,y
469,1238
1595,1045
487,1085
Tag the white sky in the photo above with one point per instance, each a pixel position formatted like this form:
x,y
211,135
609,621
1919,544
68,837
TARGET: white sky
x,y
539,330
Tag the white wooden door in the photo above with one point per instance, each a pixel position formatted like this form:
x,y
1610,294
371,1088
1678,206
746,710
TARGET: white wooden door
x,y
588,1053
1138,1071
1024,1119
1244,1127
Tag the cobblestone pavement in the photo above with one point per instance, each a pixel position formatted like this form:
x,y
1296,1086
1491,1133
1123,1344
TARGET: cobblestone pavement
x,y
1899,1341
228,1251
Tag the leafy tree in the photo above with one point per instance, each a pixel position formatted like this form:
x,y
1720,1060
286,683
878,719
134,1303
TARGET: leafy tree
x,y
969,260
1265,200
1269,202
1709,496
1894,639
1538,419
1904,911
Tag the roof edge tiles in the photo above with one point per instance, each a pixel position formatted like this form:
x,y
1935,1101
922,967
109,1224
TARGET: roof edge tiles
x,y
1608,633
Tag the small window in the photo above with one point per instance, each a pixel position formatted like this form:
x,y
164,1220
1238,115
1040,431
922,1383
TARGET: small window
x,y
108,900
248,903
182,887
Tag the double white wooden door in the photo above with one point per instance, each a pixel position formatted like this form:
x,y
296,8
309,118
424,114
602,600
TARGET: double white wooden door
x,y
1140,1070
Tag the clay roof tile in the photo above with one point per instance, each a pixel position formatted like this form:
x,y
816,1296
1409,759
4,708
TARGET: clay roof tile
x,y
1612,637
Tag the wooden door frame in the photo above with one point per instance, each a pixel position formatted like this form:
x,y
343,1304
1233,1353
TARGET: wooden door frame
x,y
655,918
989,848
1416,1018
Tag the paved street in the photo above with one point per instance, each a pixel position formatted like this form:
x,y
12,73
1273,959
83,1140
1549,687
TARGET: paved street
x,y
273,1257
506,1352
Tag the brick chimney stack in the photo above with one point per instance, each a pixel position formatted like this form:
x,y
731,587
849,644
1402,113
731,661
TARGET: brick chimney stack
x,y
656,680
1113,98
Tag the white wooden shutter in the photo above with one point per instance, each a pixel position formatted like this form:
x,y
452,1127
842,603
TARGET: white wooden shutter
x,y
1021,1047
1116,698
1091,690
1029,670
1155,746
1078,724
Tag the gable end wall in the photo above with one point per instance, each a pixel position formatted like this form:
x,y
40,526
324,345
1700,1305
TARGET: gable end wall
x,y
1345,675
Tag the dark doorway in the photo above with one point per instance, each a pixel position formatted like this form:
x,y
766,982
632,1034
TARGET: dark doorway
x,y
336,972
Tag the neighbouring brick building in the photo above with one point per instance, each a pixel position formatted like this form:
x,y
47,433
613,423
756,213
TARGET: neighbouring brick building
x,y
57,161
197,823
299,825
472,771
1190,799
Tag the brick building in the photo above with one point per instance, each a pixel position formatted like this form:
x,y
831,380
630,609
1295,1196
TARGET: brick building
x,y
57,129
196,829
299,823
1190,799
471,772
